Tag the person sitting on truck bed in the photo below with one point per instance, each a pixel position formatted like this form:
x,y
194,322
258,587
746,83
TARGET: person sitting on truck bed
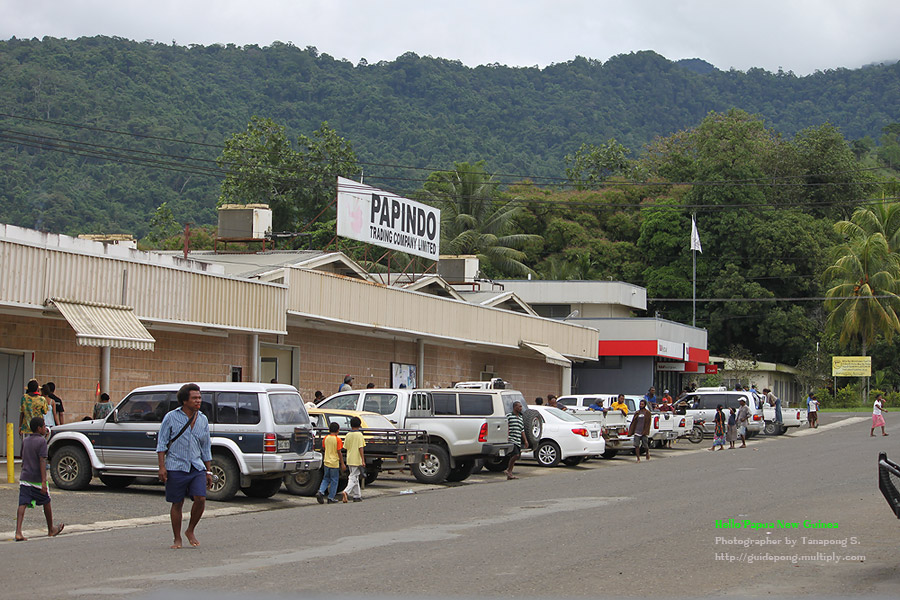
x,y
597,404
619,404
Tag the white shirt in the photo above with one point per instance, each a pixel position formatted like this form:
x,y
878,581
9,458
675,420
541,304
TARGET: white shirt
x,y
876,410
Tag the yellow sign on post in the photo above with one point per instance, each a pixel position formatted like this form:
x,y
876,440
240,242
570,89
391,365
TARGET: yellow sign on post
x,y
851,366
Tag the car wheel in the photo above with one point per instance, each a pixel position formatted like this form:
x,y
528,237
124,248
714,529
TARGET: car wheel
x,y
771,428
611,453
433,469
462,470
229,481
495,464
117,482
371,475
547,454
573,461
533,427
70,468
304,483
263,488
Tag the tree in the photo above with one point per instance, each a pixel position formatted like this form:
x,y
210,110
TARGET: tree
x,y
862,300
298,185
474,220
593,164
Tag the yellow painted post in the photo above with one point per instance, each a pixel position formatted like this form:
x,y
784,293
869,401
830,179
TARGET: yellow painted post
x,y
10,454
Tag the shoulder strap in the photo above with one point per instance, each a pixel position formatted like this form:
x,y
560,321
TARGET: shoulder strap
x,y
183,429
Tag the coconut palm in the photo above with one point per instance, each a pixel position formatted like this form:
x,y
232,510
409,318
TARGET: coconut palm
x,y
474,220
864,280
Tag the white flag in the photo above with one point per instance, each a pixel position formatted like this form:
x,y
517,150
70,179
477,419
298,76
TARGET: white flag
x,y
695,237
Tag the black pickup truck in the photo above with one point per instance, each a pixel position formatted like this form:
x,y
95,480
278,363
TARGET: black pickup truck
x,y
387,448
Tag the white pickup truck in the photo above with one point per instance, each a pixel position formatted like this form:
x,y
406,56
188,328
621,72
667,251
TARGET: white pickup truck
x,y
613,423
463,425
790,417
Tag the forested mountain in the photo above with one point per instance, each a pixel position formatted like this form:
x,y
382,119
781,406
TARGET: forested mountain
x,y
411,112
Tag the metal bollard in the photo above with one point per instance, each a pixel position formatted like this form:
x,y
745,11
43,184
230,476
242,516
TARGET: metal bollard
x,y
10,454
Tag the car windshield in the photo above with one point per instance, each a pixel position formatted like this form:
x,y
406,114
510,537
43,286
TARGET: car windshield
x,y
288,409
562,416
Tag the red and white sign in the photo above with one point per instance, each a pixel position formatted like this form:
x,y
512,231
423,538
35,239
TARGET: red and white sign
x,y
661,348
711,369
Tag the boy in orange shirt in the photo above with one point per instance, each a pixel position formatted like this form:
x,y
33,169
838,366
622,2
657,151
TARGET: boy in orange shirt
x,y
334,464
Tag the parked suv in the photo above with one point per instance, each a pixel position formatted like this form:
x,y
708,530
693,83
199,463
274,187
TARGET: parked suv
x,y
259,433
702,405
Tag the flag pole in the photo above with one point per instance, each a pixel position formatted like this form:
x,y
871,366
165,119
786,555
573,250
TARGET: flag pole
x,y
694,255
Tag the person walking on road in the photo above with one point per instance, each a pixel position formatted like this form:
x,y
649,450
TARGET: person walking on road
x,y
743,419
812,411
333,464
517,437
356,460
719,430
184,452
877,418
33,489
640,429
731,429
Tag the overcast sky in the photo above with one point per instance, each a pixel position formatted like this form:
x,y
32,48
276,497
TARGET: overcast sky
x,y
797,35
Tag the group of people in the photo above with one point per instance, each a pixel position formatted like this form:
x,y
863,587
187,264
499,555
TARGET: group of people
x,y
730,428
40,401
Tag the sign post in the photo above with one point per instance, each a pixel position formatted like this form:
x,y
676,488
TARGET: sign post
x,y
852,366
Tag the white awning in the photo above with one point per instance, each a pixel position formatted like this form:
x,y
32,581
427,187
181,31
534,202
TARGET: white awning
x,y
550,355
104,324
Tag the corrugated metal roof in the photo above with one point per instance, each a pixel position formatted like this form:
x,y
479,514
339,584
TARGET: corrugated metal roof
x,y
110,325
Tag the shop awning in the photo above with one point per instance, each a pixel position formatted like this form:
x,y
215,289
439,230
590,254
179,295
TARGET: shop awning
x,y
104,324
550,355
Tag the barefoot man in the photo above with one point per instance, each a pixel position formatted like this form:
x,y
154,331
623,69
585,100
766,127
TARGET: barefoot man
x,y
184,452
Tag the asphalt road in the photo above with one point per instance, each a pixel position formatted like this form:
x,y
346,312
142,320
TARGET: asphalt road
x,y
607,528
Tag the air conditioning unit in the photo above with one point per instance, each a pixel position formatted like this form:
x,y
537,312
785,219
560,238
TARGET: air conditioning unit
x,y
458,269
244,221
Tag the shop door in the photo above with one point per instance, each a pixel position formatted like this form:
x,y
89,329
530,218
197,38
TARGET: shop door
x,y
12,385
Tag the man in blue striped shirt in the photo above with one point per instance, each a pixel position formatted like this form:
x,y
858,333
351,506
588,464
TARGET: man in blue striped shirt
x,y
184,451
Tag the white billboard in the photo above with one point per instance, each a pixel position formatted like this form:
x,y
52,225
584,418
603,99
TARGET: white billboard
x,y
384,219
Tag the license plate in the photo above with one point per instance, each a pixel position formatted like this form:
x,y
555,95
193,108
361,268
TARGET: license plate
x,y
502,452
593,434
284,444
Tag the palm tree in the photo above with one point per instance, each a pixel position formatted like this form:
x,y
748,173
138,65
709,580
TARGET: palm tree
x,y
475,221
865,278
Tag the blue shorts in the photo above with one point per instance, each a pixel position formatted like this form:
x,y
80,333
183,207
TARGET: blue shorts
x,y
183,484
29,494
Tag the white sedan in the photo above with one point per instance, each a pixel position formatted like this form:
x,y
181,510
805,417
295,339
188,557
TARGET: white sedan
x,y
563,437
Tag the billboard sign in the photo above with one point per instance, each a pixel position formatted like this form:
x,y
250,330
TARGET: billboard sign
x,y
384,219
851,366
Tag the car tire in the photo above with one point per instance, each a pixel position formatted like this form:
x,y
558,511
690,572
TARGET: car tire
x,y
534,426
371,475
547,453
70,468
229,481
573,461
771,428
611,453
495,464
462,470
117,482
263,488
433,469
304,483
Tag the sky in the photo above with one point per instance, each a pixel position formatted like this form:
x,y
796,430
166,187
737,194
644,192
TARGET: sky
x,y
796,35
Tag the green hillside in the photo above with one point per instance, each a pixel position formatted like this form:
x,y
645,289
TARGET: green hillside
x,y
411,112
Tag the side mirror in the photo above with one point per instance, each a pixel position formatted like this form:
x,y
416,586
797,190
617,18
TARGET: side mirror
x,y
115,416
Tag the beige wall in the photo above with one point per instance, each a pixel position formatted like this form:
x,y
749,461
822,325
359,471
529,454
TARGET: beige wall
x,y
325,357
75,369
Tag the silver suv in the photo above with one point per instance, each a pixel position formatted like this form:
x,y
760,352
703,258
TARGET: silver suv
x,y
259,433
702,405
